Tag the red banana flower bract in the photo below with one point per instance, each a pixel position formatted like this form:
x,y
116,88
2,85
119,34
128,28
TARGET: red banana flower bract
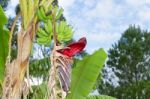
x,y
74,48
65,63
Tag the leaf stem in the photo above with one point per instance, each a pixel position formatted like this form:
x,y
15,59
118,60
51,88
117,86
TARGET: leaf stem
x,y
54,29
52,72
11,33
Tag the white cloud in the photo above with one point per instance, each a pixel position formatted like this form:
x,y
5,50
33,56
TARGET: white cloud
x,y
101,21
11,8
104,25
89,3
98,40
93,23
144,14
137,3
105,9
66,3
99,37
147,1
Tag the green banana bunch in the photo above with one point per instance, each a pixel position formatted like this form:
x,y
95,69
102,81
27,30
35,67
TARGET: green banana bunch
x,y
64,31
45,34
58,11
42,14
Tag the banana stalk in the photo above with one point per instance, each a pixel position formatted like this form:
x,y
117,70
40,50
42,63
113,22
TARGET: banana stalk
x,y
14,85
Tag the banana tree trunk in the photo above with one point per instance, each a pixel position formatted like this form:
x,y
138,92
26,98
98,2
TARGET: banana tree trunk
x,y
15,71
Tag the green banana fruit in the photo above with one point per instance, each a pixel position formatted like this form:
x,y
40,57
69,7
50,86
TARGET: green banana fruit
x,y
50,26
46,28
60,26
59,13
39,15
43,13
42,33
42,40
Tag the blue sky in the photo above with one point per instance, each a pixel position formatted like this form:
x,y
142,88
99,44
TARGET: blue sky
x,y
102,21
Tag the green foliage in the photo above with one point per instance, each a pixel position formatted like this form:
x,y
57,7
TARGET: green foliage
x,y
129,60
4,39
85,74
99,97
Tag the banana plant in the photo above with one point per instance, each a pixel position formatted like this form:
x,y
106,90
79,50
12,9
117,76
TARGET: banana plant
x,y
14,85
30,11
61,60
62,57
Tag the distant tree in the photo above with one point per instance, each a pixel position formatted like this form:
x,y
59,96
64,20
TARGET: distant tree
x,y
129,60
4,3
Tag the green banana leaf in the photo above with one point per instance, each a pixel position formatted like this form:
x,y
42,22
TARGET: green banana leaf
x,y
4,39
85,73
100,97
3,18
